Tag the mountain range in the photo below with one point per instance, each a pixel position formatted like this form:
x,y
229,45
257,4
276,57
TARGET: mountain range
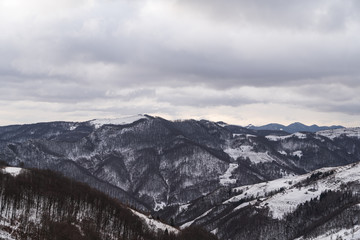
x,y
199,173
293,128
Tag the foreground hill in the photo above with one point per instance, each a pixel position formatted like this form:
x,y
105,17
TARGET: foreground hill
x,y
41,204
324,204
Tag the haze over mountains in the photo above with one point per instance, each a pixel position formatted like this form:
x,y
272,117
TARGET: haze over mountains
x,y
189,172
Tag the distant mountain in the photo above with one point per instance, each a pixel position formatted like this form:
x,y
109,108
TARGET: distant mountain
x,y
293,128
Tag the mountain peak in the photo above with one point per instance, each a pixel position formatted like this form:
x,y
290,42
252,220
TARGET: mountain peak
x,y
297,124
118,121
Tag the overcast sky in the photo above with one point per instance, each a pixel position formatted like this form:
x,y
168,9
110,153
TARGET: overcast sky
x,y
242,62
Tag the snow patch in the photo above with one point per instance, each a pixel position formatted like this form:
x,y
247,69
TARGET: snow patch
x,y
73,127
159,206
225,179
5,235
245,204
13,171
117,121
247,151
282,196
344,234
298,154
249,126
300,135
155,225
261,189
288,201
275,138
184,207
282,152
222,124
335,133
250,135
188,224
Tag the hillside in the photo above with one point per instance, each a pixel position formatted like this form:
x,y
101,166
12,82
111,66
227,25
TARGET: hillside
x,y
41,204
322,204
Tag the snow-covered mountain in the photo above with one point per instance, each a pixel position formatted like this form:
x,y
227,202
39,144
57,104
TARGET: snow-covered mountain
x,y
169,166
117,121
148,163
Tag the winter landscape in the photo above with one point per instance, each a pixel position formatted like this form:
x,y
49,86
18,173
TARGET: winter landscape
x,y
179,120
152,178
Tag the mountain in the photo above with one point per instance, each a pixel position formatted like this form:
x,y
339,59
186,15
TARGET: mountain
x,y
324,204
165,167
40,204
293,128
147,163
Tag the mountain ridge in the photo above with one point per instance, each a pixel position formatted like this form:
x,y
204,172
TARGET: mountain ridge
x,y
284,202
294,127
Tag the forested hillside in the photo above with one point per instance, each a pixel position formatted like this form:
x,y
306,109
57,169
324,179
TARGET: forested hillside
x,y
42,204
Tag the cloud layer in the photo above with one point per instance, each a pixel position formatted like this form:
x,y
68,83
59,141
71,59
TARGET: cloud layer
x,y
240,61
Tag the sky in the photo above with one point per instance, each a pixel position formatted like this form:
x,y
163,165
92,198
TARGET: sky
x,y
241,62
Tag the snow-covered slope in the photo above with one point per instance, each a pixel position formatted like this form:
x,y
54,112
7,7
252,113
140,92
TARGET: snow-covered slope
x,y
349,132
247,151
279,138
227,179
155,225
279,199
283,195
352,233
117,121
6,235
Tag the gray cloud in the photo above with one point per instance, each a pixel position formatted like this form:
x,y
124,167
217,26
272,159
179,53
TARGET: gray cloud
x,y
169,56
314,15
196,97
